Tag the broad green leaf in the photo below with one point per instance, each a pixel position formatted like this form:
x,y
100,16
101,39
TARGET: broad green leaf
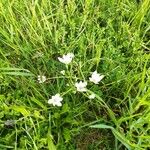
x,y
6,146
117,134
38,103
14,69
101,126
21,110
18,73
51,145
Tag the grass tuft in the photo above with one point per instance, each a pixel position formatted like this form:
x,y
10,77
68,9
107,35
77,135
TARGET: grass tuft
x,y
109,36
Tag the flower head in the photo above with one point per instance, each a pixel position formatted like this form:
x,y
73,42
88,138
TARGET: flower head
x,y
41,79
9,122
62,72
81,86
92,96
96,77
66,59
55,100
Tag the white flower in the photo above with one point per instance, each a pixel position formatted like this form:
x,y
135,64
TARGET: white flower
x,y
92,96
81,86
41,79
66,59
56,100
96,77
62,72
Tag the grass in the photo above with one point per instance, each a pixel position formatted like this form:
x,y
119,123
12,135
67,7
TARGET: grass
x,y
109,36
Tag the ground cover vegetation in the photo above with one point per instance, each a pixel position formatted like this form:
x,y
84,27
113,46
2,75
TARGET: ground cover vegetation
x,y
75,74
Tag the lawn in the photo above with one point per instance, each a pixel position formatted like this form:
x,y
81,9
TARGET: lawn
x,y
75,75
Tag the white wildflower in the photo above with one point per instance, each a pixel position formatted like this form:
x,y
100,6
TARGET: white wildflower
x,y
41,79
62,72
92,96
56,100
81,86
96,77
66,59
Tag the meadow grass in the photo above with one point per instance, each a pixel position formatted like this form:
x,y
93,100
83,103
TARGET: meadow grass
x,y
110,36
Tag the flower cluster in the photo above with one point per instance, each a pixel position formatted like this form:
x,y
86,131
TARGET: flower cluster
x,y
41,79
55,100
96,77
92,96
80,86
66,59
